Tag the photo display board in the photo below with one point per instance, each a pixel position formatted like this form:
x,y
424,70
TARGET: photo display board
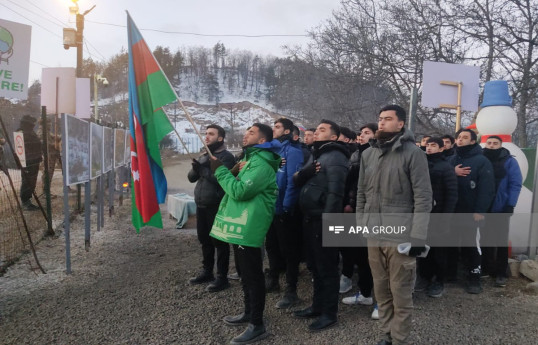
x,y
119,147
108,148
77,159
96,153
127,155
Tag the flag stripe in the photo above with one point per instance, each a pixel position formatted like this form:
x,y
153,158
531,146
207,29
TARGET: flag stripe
x,y
144,64
153,93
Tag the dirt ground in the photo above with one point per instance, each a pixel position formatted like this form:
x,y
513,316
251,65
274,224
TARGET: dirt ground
x,y
133,288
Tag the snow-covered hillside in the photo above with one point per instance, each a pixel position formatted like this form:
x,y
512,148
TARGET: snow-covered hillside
x,y
233,117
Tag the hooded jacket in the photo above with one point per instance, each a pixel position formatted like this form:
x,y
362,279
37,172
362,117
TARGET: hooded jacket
x,y
393,178
509,187
476,191
287,191
208,191
247,208
324,192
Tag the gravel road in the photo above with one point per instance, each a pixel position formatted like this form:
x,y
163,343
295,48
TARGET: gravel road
x,y
133,289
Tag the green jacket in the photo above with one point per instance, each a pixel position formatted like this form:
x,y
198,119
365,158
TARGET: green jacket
x,y
247,208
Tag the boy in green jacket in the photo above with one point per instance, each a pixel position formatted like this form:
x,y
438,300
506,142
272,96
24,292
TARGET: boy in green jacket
x,y
243,218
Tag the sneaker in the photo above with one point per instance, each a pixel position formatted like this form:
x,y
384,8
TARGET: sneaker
x,y
234,276
375,313
421,284
435,289
500,281
204,277
289,300
345,284
358,299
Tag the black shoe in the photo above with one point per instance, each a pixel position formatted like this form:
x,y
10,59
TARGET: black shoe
x,y
271,284
204,277
474,286
500,281
289,300
384,342
435,289
28,206
323,322
251,335
236,320
307,313
218,284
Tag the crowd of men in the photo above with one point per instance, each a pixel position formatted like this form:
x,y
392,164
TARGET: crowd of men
x,y
276,191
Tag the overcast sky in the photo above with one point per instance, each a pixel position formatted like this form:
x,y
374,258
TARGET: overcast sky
x,y
212,17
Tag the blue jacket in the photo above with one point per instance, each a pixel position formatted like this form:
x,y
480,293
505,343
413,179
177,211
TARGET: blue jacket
x,y
510,185
287,191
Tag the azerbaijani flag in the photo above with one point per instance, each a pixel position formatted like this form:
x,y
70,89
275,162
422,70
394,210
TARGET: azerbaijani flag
x,y
149,91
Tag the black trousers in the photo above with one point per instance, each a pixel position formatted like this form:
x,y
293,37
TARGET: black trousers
x,y
324,264
29,180
205,216
470,248
495,258
284,248
352,256
434,265
250,264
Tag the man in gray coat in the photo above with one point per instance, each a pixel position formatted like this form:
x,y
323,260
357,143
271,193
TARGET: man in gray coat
x,y
394,179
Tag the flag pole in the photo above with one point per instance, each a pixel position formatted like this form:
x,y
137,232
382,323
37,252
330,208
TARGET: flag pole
x,y
182,143
189,117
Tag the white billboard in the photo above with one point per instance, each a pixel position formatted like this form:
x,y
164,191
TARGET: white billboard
x,y
15,41
434,93
58,86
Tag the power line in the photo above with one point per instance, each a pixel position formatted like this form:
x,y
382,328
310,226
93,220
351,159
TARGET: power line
x,y
63,24
199,34
44,28
38,63
37,14
48,14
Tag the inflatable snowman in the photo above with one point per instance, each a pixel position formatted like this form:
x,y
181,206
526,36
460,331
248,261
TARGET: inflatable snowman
x,y
496,117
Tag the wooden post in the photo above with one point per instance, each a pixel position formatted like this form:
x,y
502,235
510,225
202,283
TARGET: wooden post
x,y
456,106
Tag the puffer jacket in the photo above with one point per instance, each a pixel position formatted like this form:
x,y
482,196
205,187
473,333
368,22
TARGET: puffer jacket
x,y
509,187
394,178
324,192
287,191
248,207
444,183
476,191
208,192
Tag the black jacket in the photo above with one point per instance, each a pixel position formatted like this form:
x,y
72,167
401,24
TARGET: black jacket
x,y
324,192
476,191
444,184
352,180
32,147
208,192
